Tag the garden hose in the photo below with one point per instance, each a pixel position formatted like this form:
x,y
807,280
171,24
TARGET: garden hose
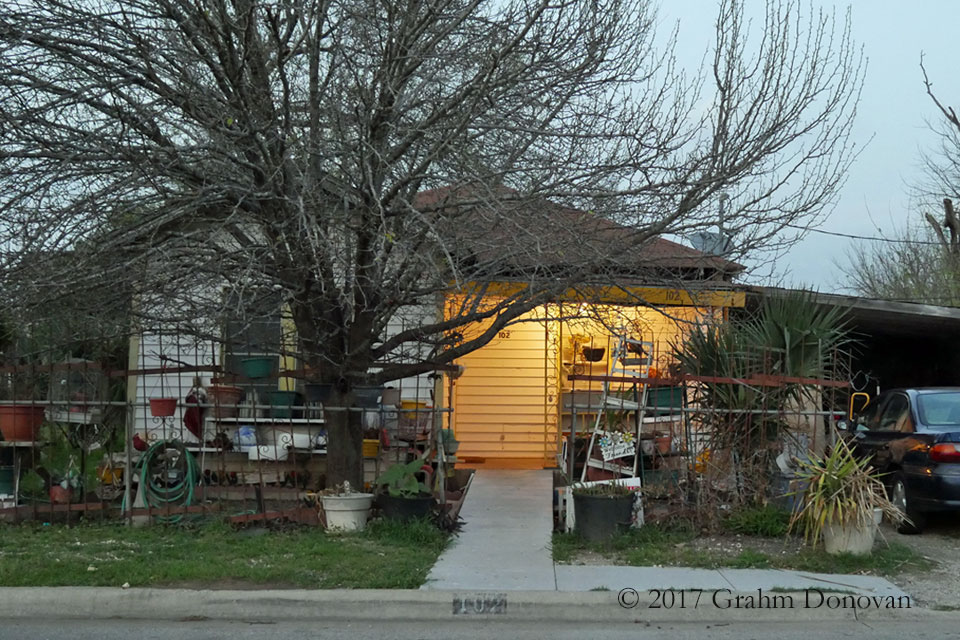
x,y
164,484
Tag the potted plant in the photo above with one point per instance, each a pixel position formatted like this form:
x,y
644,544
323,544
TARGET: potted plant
x,y
600,510
449,442
842,502
346,509
163,407
404,496
20,413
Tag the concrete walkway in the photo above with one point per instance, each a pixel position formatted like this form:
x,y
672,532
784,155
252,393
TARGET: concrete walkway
x,y
505,543
505,546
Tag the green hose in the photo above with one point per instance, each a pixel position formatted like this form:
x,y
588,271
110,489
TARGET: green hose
x,y
159,495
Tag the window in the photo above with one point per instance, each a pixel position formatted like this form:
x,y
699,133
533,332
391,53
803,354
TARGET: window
x,y
939,410
869,417
894,413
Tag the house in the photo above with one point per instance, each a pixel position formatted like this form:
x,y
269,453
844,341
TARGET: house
x,y
510,405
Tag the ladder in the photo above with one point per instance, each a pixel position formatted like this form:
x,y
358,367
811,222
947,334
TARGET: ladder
x,y
631,358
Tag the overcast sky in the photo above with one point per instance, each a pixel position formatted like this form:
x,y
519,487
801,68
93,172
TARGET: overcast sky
x,y
893,111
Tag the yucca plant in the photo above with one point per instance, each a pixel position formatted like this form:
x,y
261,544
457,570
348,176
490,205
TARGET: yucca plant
x,y
841,489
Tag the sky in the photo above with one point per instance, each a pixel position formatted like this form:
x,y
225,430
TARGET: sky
x,y
891,119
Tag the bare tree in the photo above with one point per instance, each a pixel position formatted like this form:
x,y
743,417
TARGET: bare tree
x,y
354,159
911,265
921,264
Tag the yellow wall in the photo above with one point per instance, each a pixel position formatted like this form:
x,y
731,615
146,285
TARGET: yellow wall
x,y
499,400
507,402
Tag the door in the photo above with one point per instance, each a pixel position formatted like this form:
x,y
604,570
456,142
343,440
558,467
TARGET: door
x,y
499,401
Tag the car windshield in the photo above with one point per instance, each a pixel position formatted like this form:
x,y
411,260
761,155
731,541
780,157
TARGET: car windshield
x,y
940,410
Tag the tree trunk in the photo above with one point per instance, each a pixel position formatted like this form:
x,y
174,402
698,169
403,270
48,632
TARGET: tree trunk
x,y
344,441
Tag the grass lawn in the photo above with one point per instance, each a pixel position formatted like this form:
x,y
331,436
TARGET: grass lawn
x,y
387,555
680,546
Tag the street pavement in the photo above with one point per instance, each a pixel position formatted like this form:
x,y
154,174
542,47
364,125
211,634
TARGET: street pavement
x,y
934,627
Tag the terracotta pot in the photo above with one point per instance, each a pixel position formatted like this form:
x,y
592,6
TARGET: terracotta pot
x,y
663,444
219,395
163,407
59,495
19,422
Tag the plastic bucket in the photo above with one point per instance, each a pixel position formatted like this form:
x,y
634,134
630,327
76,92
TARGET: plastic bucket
x,y
404,509
371,448
223,398
318,392
260,367
6,481
282,403
598,518
163,407
367,397
390,397
347,513
19,422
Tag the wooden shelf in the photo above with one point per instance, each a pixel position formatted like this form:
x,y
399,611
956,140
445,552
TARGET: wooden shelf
x,y
21,444
204,449
274,421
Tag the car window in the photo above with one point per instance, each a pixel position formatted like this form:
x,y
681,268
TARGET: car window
x,y
870,416
939,411
894,413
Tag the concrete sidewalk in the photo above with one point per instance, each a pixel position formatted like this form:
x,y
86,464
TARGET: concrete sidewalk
x,y
615,578
505,543
505,546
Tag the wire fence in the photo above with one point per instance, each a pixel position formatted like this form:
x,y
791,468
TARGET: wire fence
x,y
702,434
169,427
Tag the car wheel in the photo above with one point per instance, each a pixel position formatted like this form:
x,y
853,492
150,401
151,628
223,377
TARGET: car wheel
x,y
901,501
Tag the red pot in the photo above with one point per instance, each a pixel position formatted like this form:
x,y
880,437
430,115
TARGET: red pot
x,y
59,495
163,407
663,444
19,422
224,400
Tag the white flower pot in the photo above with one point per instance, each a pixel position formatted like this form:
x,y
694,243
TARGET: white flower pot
x,y
347,512
855,537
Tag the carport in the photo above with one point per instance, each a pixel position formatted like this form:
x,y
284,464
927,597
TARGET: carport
x,y
900,344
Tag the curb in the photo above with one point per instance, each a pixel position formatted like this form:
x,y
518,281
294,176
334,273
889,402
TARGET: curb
x,y
384,604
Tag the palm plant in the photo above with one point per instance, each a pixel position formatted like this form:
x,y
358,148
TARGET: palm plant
x,y
789,335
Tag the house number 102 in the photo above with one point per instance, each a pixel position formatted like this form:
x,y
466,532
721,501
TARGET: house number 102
x,y
503,334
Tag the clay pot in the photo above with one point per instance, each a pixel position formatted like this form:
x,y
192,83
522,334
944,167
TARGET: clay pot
x,y
163,407
59,495
19,422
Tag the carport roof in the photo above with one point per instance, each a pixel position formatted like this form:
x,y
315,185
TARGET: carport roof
x,y
890,317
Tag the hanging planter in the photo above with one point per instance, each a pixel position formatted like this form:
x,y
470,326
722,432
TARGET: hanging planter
x,y
260,367
593,354
163,407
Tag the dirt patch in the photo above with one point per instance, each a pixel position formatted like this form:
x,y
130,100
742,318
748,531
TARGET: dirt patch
x,y
734,545
939,586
